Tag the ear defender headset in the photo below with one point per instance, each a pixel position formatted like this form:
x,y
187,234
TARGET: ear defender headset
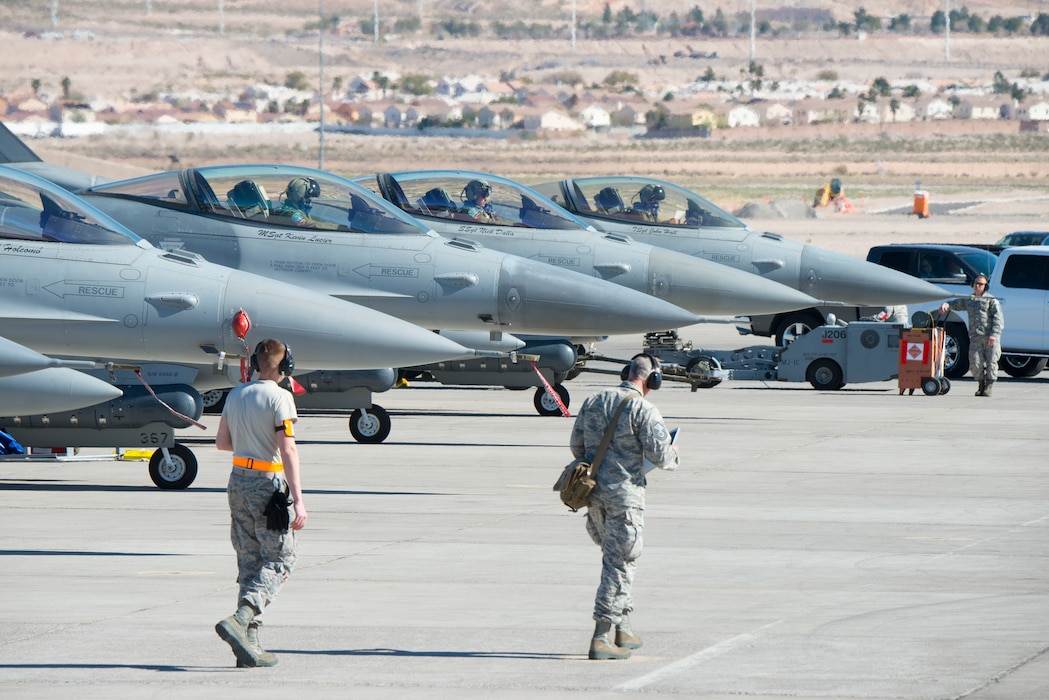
x,y
654,380
287,363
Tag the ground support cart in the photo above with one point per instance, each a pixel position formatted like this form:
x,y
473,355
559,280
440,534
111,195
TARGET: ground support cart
x,y
921,361
828,357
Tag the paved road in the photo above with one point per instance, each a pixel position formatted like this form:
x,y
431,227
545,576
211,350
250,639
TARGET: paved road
x,y
850,544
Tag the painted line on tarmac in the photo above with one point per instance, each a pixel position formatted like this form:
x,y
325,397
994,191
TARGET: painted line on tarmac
x,y
699,657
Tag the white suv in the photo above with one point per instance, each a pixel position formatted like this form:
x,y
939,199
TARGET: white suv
x,y
1021,282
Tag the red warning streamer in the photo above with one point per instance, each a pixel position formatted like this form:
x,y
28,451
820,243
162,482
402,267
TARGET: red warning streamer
x,y
138,373
552,393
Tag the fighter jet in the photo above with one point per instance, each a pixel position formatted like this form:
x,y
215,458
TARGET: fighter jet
x,y
673,217
323,232
77,285
510,217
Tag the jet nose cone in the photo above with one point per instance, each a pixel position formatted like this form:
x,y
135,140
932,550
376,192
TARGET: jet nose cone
x,y
328,333
707,288
547,300
837,277
52,390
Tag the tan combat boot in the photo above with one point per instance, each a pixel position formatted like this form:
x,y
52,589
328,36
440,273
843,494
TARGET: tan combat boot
x,y
234,631
602,647
262,657
987,388
625,636
981,389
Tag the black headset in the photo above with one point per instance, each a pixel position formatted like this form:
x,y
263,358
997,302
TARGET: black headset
x,y
654,380
287,363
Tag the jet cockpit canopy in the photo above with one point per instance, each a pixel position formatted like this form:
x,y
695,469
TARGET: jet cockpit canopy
x,y
33,209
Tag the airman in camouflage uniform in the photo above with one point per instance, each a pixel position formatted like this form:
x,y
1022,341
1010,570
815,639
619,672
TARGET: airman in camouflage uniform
x,y
256,427
616,514
985,333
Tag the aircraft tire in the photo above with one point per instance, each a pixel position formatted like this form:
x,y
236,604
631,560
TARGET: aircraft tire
x,y
825,374
178,472
371,428
545,404
214,400
694,362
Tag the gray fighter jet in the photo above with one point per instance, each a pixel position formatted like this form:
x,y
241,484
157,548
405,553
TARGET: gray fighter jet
x,y
320,231
328,234
673,217
510,217
77,285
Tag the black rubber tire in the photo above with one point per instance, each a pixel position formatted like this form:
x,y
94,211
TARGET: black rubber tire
x,y
945,385
544,403
1021,366
794,325
706,384
178,473
956,351
372,428
931,386
825,374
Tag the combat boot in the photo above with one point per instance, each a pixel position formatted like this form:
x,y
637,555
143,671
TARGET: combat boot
x,y
625,636
234,631
987,388
262,657
982,389
602,647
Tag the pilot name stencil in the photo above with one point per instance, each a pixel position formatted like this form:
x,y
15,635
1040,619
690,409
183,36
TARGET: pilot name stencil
x,y
15,248
292,236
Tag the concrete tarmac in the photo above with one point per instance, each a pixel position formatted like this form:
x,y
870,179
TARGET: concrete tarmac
x,y
847,544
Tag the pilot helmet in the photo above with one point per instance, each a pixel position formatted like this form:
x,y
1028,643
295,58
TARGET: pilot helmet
x,y
475,189
301,191
652,193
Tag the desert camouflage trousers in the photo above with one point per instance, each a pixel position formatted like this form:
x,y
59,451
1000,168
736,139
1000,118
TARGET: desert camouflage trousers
x,y
983,358
618,531
265,558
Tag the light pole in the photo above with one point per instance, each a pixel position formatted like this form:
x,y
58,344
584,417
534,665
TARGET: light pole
x,y
320,81
947,30
752,31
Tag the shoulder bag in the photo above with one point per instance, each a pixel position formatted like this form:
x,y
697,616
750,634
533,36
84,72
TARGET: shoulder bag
x,y
577,479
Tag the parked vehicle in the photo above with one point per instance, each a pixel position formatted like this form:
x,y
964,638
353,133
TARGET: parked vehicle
x,y
1021,282
952,267
1024,238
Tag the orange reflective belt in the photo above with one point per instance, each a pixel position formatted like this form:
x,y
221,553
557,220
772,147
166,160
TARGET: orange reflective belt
x,y
257,464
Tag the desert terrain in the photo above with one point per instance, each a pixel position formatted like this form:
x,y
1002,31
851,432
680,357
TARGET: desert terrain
x,y
995,175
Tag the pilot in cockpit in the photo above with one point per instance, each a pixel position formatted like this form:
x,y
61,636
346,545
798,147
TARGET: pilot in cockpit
x,y
297,200
475,197
648,200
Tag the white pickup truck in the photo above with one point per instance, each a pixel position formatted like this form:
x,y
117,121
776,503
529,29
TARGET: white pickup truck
x,y
1020,280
